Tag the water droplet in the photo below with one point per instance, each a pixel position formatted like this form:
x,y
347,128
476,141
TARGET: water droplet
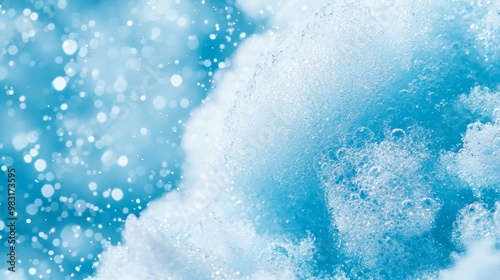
x,y
427,203
374,171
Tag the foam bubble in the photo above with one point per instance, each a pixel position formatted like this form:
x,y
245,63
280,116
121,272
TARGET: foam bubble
x,y
20,141
159,102
377,193
477,163
47,190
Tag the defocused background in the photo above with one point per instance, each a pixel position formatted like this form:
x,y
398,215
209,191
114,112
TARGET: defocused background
x,y
94,97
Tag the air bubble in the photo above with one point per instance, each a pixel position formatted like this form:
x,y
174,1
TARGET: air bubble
x,y
407,205
374,171
398,134
362,136
355,197
317,165
341,153
427,203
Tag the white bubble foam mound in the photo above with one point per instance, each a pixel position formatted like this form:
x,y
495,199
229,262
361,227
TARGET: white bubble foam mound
x,y
214,249
378,193
478,230
483,102
482,29
475,223
478,162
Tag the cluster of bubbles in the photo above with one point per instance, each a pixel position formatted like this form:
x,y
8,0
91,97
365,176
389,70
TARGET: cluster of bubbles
x,y
378,193
477,161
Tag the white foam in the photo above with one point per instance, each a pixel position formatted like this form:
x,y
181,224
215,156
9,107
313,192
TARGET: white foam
x,y
478,162
377,194
476,223
280,13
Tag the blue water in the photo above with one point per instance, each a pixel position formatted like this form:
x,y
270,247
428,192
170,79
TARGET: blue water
x,y
253,140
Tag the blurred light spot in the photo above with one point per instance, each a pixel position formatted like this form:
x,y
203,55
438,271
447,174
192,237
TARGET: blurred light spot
x,y
40,165
101,117
69,46
117,194
47,190
59,83
184,103
176,80
31,209
159,102
123,161
32,271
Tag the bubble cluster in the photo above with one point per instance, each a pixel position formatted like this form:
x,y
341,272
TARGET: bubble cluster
x,y
476,223
217,248
477,162
377,194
